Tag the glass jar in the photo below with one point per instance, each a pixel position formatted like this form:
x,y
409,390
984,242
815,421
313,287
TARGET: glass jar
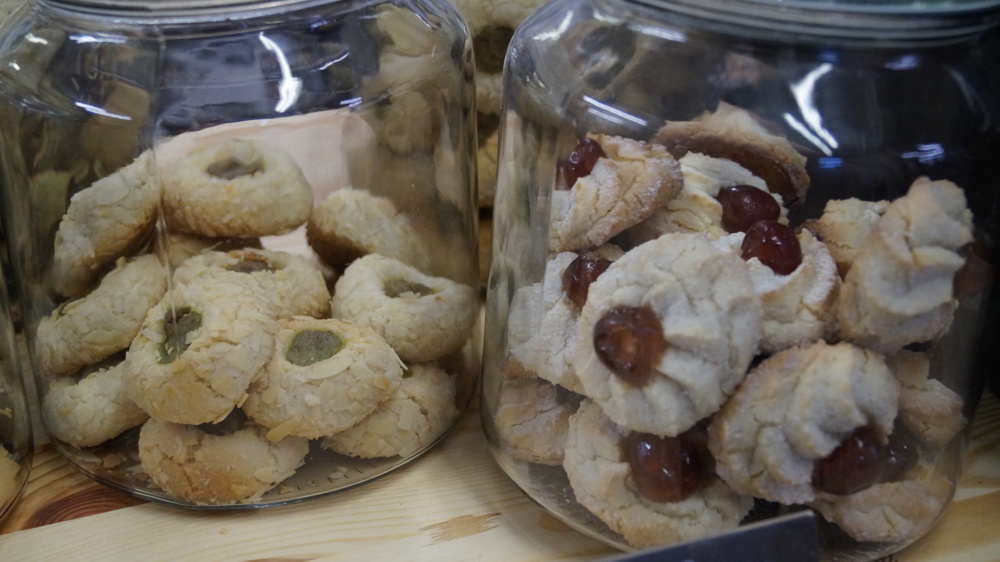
x,y
743,255
245,236
15,420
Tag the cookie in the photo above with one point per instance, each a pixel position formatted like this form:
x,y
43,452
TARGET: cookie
x,y
296,284
199,349
800,306
91,410
325,376
175,248
205,468
893,512
91,328
532,418
900,288
636,505
628,180
929,409
239,188
422,317
696,208
102,223
735,134
666,334
351,223
844,226
420,410
794,409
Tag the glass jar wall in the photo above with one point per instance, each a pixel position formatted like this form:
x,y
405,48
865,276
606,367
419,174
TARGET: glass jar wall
x,y
15,420
245,238
743,254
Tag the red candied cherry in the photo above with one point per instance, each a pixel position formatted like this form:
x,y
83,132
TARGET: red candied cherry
x,y
901,455
664,469
579,163
774,244
629,341
856,464
580,273
743,205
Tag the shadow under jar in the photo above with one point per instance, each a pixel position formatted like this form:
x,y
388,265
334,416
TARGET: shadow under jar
x,y
245,237
743,257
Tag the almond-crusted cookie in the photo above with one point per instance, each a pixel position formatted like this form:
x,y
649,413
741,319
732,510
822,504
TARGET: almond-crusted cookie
x,y
795,408
420,410
666,334
605,482
900,288
735,134
625,186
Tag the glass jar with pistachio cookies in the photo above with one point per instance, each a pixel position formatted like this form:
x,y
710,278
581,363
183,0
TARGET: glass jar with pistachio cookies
x,y
744,253
245,237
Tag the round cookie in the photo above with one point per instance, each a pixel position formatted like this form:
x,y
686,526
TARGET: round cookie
x,y
795,408
325,376
199,349
102,223
893,512
735,134
625,186
603,482
532,419
86,330
900,289
297,285
239,188
422,317
798,307
91,410
420,410
844,226
929,409
176,247
351,223
208,469
666,334
696,207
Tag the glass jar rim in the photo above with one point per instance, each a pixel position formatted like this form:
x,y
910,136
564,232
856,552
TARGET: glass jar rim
x,y
229,9
875,20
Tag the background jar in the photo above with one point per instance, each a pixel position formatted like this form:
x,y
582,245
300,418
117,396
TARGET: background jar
x,y
213,208
629,386
15,421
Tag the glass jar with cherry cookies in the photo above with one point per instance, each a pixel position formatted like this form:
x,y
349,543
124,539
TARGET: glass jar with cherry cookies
x,y
244,237
744,253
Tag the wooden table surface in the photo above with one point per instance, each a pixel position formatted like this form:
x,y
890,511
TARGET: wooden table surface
x,y
453,503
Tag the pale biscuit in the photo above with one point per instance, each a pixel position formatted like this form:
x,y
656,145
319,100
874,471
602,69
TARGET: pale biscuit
x,y
102,223
695,208
625,187
709,319
799,307
91,410
929,409
844,226
420,410
207,469
296,284
793,409
423,317
241,188
325,376
199,349
86,330
600,476
351,223
900,288
735,134
532,419
892,512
